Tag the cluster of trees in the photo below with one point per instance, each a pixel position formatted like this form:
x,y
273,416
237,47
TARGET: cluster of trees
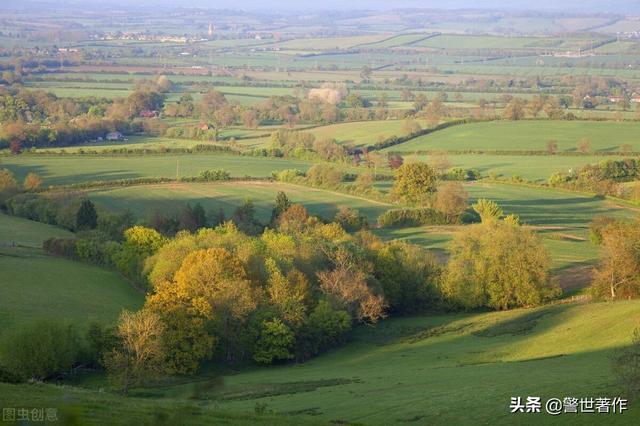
x,y
605,178
34,118
518,108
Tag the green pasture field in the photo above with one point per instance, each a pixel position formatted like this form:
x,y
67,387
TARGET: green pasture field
x,y
527,135
360,133
144,199
440,369
330,42
38,286
65,170
536,168
156,143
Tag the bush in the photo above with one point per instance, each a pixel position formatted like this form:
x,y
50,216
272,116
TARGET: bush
x,y
40,351
288,175
462,174
324,175
325,328
350,219
274,342
214,175
414,217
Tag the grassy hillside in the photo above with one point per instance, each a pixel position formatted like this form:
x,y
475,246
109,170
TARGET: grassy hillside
x,y
527,135
213,196
38,286
438,369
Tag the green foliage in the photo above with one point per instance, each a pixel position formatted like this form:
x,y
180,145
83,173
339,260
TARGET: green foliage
x,y
409,277
282,204
213,175
414,217
274,342
40,351
350,219
414,181
288,175
87,217
324,175
325,328
499,265
488,210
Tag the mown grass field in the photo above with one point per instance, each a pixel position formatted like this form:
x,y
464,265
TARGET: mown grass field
x,y
439,369
38,286
527,135
64,170
144,199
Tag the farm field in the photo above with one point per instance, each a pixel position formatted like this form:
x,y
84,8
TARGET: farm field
x,y
213,196
65,170
360,133
38,286
528,135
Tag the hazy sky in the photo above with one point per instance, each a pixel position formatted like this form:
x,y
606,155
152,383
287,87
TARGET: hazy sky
x,y
618,6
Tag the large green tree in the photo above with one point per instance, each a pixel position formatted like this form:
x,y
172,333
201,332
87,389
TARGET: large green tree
x,y
500,265
414,181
